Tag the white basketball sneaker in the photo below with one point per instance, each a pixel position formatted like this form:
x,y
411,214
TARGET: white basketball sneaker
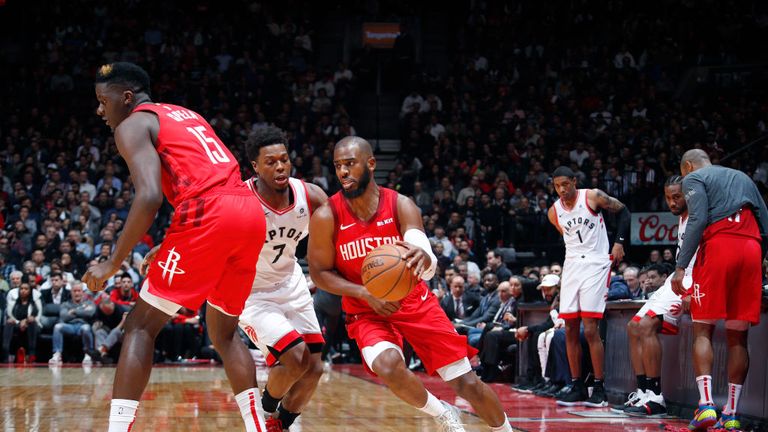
x,y
450,420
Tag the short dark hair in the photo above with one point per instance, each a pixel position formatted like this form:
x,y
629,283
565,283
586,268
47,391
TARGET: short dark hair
x,y
127,74
673,180
563,171
661,269
263,137
54,274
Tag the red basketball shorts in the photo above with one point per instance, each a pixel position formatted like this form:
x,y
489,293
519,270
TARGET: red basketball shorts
x,y
422,322
727,281
210,252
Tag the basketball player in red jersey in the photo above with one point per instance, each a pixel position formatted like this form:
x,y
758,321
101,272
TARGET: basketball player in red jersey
x,y
356,220
210,250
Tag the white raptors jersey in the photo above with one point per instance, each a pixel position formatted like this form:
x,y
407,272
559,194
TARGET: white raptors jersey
x,y
584,230
285,228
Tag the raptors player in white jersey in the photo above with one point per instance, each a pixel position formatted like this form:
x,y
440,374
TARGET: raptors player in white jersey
x,y
279,315
586,274
660,314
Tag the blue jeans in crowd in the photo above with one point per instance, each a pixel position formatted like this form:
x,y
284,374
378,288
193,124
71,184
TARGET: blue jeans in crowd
x,y
62,329
473,336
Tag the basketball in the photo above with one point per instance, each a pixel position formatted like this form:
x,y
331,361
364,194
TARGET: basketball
x,y
385,274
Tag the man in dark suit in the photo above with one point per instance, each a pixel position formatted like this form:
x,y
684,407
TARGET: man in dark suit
x,y
459,304
499,335
489,305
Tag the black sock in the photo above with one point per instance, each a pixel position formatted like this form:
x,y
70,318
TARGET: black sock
x,y
286,417
268,402
641,382
654,384
598,383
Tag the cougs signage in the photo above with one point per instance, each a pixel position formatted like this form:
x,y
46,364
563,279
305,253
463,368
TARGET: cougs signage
x,y
654,228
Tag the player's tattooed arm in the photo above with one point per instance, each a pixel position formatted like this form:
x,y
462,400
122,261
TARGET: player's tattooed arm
x,y
604,201
623,219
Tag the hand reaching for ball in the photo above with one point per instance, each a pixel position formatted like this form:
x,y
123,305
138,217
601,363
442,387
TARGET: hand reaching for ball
x,y
416,259
381,307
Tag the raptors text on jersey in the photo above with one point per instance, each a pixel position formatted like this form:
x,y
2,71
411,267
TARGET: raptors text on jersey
x,y
583,229
285,229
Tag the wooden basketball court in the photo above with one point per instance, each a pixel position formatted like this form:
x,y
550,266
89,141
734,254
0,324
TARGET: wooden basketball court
x,y
198,398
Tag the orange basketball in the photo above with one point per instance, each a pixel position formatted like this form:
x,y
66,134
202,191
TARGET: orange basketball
x,y
385,274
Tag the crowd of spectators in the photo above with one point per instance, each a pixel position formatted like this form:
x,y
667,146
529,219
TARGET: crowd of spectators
x,y
588,86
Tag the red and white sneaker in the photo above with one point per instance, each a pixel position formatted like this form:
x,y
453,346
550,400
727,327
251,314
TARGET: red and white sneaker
x,y
273,424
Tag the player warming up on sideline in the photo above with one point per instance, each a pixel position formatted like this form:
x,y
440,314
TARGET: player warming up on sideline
x,y
356,220
724,208
210,249
279,315
660,314
586,275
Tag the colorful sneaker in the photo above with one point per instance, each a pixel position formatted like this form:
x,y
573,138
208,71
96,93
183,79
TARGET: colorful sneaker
x,y
704,418
273,424
449,421
634,399
652,406
728,422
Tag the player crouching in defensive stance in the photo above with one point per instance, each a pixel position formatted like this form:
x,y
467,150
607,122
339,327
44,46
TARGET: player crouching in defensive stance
x,y
359,218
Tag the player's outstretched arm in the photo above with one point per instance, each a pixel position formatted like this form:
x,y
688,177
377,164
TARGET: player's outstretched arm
x,y
134,139
601,200
420,258
321,254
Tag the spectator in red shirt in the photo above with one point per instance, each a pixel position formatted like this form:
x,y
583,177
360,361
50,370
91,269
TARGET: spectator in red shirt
x,y
124,294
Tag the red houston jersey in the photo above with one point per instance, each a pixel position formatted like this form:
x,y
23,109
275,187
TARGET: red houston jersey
x,y
193,158
354,238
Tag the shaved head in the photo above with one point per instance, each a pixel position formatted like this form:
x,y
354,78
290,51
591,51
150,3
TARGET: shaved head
x,y
692,160
696,156
362,146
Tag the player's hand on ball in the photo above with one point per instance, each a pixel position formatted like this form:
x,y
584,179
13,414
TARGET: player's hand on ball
x,y
677,282
618,253
95,278
416,259
383,308
148,258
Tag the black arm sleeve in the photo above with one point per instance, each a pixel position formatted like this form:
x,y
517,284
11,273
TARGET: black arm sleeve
x,y
623,220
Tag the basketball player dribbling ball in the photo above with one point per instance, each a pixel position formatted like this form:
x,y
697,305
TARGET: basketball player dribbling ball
x,y
357,220
586,275
279,315
727,221
210,250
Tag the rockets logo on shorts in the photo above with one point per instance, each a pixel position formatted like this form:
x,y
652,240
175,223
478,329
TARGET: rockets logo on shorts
x,y
171,265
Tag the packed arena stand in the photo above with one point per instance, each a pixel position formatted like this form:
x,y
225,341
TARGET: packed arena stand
x,y
479,136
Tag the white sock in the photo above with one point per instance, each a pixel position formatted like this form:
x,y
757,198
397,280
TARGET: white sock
x,y
704,382
734,392
505,427
249,402
122,414
433,407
